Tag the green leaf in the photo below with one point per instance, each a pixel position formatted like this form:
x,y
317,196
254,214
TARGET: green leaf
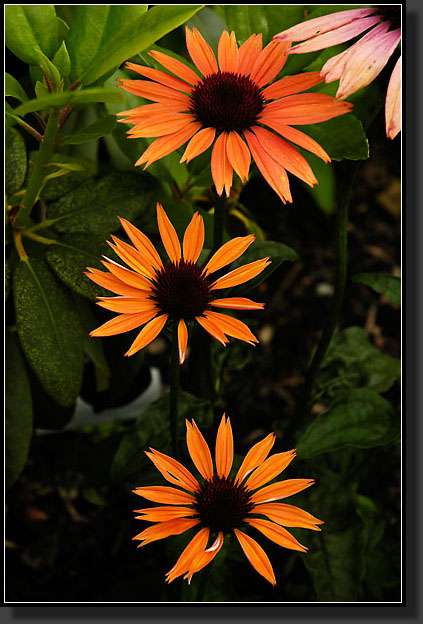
x,y
323,193
49,330
388,285
13,88
29,27
341,137
152,429
18,425
80,170
15,161
277,252
245,20
59,100
101,127
7,279
95,206
360,418
62,60
94,26
353,362
373,528
130,37
50,70
71,256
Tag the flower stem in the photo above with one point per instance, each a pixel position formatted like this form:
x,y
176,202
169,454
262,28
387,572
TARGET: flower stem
x,y
174,390
341,224
36,179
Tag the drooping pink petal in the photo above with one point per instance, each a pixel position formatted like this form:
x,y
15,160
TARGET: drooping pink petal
x,y
393,102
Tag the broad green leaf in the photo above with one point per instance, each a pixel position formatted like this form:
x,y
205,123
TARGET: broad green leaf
x,y
268,20
15,161
95,206
210,24
134,37
152,429
7,279
59,100
373,528
49,330
353,362
12,88
71,256
277,252
80,171
18,422
360,418
341,137
62,61
383,283
323,193
10,118
28,27
101,127
94,26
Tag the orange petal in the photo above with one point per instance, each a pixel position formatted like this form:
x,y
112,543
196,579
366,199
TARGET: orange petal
x,y
232,327
169,235
281,489
269,62
238,154
224,452
181,476
212,329
142,243
241,274
164,529
269,469
248,53
237,303
195,546
276,533
153,91
176,67
165,495
166,123
256,556
127,305
204,558
296,136
228,252
288,515
221,168
255,457
199,451
305,108
147,334
292,84
272,171
111,283
285,154
132,257
182,340
167,144
162,514
228,52
159,76
123,323
193,238
134,115
198,144
140,284
200,52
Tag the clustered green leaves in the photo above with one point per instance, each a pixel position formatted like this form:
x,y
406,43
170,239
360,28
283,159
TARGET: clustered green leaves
x,y
74,55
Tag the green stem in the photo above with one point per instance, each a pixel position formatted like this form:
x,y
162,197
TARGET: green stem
x,y
341,224
174,390
36,179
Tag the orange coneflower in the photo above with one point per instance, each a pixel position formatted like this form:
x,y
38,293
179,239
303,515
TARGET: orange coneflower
x,y
227,103
150,292
222,504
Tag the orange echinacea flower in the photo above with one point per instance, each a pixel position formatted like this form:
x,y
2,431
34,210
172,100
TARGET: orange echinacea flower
x,y
150,292
222,504
359,65
229,105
